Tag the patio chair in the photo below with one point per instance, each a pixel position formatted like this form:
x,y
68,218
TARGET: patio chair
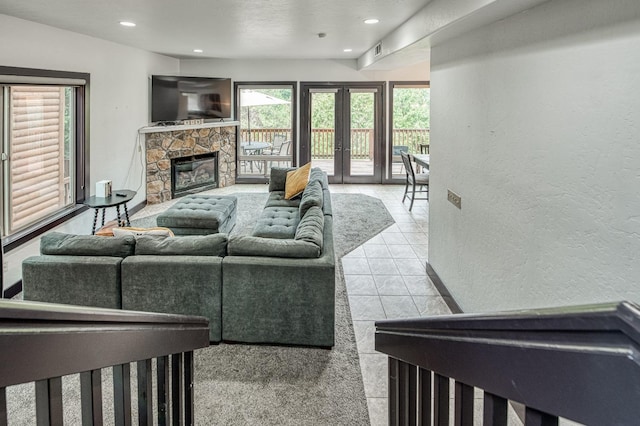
x,y
397,150
414,179
284,149
424,148
279,139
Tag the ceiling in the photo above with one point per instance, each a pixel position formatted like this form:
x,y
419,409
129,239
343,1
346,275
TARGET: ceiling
x,y
227,28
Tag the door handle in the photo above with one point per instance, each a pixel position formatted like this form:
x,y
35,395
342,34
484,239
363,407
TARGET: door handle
x,y
338,148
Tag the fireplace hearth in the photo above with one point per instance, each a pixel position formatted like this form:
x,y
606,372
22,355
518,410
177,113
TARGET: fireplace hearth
x,y
192,174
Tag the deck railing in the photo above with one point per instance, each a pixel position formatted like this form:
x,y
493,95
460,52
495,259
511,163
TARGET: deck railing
x,y
41,342
323,140
578,363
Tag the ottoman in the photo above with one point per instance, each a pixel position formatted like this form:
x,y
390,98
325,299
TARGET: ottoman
x,y
200,215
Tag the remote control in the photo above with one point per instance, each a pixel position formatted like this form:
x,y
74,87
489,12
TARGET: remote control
x,y
120,194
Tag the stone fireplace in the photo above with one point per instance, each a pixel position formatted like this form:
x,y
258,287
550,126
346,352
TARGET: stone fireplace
x,y
195,173
165,145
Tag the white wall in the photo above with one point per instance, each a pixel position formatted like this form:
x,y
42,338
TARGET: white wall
x,y
536,124
119,89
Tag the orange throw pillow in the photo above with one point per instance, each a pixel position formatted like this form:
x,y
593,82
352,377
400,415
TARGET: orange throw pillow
x,y
296,181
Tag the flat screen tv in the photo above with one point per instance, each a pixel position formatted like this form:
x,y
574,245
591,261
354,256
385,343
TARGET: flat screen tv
x,y
175,98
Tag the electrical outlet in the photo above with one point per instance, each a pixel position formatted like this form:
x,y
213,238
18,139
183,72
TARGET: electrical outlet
x,y
454,199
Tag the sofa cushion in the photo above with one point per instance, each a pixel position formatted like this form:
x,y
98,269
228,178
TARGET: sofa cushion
x,y
311,227
296,181
247,245
311,197
278,178
188,245
58,243
276,199
277,222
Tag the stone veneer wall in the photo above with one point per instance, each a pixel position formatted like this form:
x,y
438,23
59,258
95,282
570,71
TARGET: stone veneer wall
x,y
161,147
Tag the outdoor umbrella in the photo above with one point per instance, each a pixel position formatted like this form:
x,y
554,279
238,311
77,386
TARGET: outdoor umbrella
x,y
249,98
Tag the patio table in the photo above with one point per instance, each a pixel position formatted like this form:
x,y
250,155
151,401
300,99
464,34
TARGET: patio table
x,y
254,148
422,160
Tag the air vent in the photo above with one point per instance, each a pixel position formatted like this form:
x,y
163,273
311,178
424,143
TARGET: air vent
x,y
377,50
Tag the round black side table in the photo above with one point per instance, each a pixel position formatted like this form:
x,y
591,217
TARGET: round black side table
x,y
116,199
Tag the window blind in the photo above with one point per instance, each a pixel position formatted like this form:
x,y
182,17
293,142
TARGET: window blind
x,y
37,178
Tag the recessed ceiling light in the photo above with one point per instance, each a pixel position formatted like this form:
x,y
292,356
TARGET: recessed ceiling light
x,y
198,50
348,50
127,24
371,21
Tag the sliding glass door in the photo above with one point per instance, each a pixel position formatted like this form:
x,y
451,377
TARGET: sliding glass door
x,y
409,124
266,136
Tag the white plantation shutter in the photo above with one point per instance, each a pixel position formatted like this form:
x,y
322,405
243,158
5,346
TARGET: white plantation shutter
x,y
37,177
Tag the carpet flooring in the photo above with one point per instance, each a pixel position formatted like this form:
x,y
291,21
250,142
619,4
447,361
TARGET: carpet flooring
x,y
277,385
237,384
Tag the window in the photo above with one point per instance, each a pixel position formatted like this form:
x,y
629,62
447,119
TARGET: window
x,y
266,134
43,136
410,105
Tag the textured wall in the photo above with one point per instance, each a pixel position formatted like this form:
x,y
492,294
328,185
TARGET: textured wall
x,y
536,124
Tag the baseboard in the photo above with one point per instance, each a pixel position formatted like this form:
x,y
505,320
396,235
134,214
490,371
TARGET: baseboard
x,y
135,209
455,308
444,291
11,292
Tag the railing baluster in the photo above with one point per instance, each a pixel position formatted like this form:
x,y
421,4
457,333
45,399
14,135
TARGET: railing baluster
x,y
394,392
495,410
424,397
463,405
440,400
163,389
122,394
91,397
408,389
177,386
49,402
3,405
533,417
189,396
145,392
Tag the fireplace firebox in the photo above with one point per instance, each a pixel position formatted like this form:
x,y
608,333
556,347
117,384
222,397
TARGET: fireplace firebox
x,y
192,174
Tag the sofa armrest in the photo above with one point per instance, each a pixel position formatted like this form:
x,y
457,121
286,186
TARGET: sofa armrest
x,y
73,280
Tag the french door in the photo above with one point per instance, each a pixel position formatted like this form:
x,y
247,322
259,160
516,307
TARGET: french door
x,y
341,130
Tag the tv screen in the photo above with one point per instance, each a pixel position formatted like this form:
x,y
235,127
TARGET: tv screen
x,y
176,98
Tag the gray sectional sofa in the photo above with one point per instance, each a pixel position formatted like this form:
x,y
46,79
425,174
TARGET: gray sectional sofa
x,y
276,285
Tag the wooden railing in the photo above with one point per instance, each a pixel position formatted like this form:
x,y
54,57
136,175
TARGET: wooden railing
x,y
323,140
41,342
578,363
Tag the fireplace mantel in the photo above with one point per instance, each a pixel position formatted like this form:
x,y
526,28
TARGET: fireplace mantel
x,y
179,127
